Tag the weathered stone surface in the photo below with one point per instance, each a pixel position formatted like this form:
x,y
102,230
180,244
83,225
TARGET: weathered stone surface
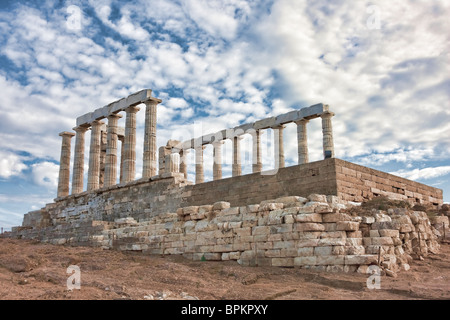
x,y
309,227
308,217
221,205
347,226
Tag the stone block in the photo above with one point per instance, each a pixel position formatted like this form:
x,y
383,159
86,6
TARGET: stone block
x,y
347,226
272,253
220,205
305,261
307,243
253,208
317,198
330,260
374,233
288,219
365,259
305,251
309,227
190,210
389,233
331,242
382,241
333,234
270,206
335,217
323,251
291,199
230,211
368,220
282,262
308,217
265,230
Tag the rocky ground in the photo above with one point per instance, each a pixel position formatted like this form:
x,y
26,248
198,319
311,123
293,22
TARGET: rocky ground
x,y
31,270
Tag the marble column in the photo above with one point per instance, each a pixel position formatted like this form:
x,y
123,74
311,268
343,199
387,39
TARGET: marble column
x,y
217,155
256,153
183,162
327,130
199,172
279,148
236,166
64,164
111,151
78,164
94,155
122,144
302,141
172,163
129,162
149,159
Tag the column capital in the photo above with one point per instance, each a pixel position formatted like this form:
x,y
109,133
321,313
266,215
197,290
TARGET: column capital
x,y
301,121
217,143
327,114
132,109
152,101
203,147
97,123
67,133
114,116
278,127
81,129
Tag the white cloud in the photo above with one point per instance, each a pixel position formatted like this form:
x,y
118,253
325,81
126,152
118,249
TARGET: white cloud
x,y
45,174
423,174
11,164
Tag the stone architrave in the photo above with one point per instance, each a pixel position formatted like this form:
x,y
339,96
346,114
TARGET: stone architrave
x,y
302,140
217,165
279,146
111,151
327,130
64,164
149,158
199,172
78,164
129,162
236,166
94,155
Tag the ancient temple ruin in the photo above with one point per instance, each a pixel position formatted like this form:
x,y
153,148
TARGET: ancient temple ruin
x,y
289,216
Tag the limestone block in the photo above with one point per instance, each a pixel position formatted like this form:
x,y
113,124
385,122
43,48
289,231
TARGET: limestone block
x,y
335,217
364,259
283,244
304,209
317,198
272,253
333,234
230,211
281,228
225,256
354,234
374,233
439,221
220,205
253,208
197,216
389,233
382,241
190,210
308,217
309,227
337,250
381,217
305,261
234,255
291,199
347,226
330,227
270,206
309,235
330,260
308,243
274,237
355,250
305,251
368,220
209,256
323,251
261,230
406,228
288,219
275,217
331,242
282,262
323,208
205,209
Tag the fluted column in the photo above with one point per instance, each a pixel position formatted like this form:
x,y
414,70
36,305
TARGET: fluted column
x,y
327,130
64,164
302,141
111,151
236,166
199,172
217,154
129,162
279,148
122,144
78,164
183,162
149,164
256,154
94,155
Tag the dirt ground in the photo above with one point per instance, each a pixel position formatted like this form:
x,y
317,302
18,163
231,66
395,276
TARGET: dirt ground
x,y
35,271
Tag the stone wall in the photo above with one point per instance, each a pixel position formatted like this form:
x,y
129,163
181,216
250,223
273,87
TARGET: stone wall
x,y
314,232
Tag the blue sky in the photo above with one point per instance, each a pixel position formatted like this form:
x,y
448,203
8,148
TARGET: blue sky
x,y
383,68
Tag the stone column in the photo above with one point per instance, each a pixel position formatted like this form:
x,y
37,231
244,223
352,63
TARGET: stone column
x,y
302,140
279,148
149,161
327,129
122,143
183,162
64,164
199,173
257,156
236,166
217,155
111,151
94,155
129,162
78,164
172,163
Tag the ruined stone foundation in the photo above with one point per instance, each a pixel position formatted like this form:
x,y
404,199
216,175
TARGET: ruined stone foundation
x,y
315,232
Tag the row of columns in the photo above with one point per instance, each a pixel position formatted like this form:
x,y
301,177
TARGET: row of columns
x,y
302,140
128,155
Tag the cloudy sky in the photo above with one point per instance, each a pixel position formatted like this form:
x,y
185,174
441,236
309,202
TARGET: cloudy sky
x,y
382,66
